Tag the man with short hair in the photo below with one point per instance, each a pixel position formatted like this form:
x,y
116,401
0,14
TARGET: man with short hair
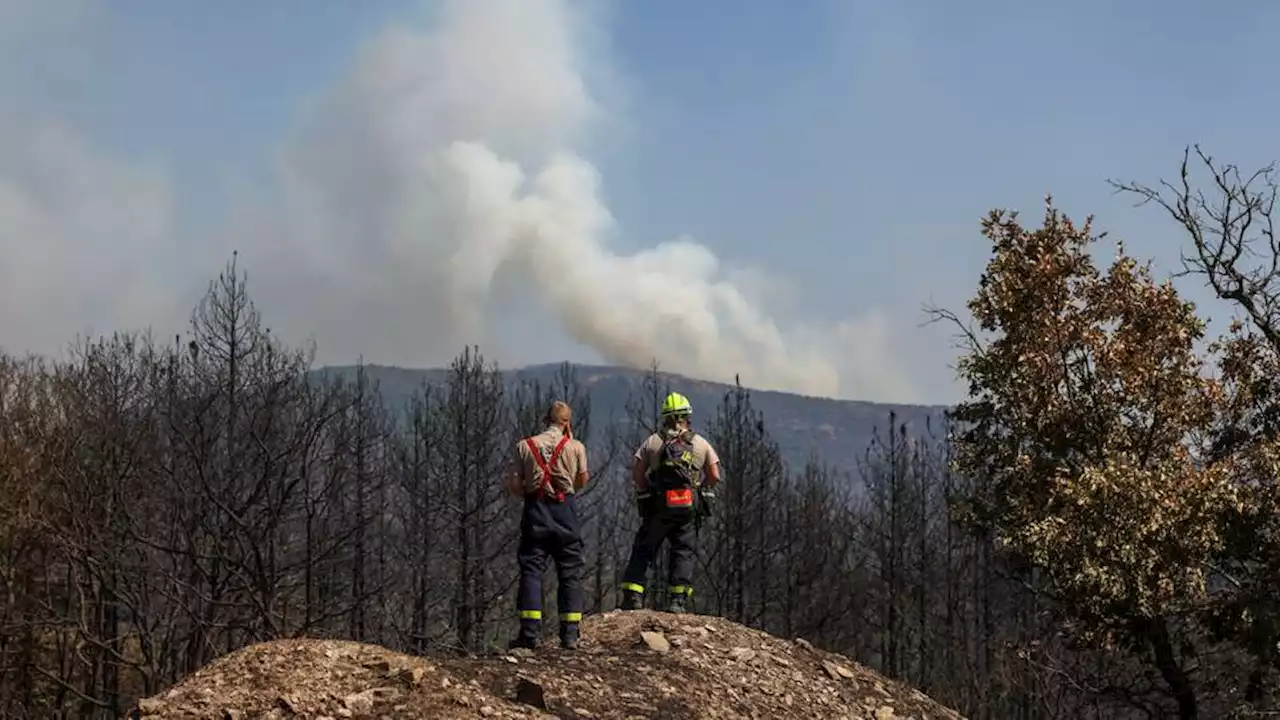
x,y
672,469
548,469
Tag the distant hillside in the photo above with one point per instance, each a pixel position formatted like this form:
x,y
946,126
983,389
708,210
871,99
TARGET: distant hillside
x,y
838,430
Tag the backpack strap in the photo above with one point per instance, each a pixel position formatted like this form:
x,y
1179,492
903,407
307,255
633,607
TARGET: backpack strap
x,y
664,456
545,484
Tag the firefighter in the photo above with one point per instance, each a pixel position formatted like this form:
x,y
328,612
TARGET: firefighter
x,y
673,472
548,469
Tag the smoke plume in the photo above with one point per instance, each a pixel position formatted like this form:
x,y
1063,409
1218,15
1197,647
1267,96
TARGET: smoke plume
x,y
446,170
452,153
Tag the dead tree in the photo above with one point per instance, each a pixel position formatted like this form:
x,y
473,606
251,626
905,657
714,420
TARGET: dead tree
x,y
751,465
474,431
109,426
427,620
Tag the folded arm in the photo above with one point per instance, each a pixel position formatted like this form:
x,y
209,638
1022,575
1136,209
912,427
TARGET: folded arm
x,y
712,474
584,474
515,486
638,478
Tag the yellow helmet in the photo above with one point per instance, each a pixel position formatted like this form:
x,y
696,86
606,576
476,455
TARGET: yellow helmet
x,y
676,404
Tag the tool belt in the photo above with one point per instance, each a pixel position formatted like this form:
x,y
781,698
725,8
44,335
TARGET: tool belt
x,y
700,500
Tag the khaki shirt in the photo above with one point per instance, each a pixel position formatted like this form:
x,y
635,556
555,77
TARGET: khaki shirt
x,y
572,461
704,456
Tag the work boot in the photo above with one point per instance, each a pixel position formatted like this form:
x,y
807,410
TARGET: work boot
x,y
528,637
676,604
569,636
632,600
522,640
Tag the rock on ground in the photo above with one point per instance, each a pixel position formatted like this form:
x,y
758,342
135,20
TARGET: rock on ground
x,y
631,665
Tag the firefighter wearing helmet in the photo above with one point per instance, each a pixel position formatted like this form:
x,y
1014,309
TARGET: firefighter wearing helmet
x,y
674,470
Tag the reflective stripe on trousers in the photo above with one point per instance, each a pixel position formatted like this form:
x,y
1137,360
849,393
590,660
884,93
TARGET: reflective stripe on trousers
x,y
675,528
550,531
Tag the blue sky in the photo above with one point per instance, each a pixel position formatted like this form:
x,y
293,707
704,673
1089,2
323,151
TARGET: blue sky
x,y
843,150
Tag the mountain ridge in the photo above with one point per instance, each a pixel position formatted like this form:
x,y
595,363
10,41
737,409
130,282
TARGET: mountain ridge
x,y
835,431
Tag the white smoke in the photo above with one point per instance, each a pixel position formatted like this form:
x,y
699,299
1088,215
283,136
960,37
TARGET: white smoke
x,y
448,160
83,220
78,227
455,152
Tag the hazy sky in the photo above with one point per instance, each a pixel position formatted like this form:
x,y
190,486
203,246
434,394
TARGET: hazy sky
x,y
767,188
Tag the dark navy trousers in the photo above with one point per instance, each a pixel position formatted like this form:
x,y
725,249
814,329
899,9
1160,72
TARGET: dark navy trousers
x,y
674,527
550,530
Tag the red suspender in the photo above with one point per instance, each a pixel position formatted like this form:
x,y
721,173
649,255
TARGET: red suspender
x,y
545,466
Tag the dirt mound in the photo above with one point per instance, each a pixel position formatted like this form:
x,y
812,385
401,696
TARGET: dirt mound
x,y
311,679
631,665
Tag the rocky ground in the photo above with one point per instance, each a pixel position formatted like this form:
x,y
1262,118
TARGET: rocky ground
x,y
631,665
